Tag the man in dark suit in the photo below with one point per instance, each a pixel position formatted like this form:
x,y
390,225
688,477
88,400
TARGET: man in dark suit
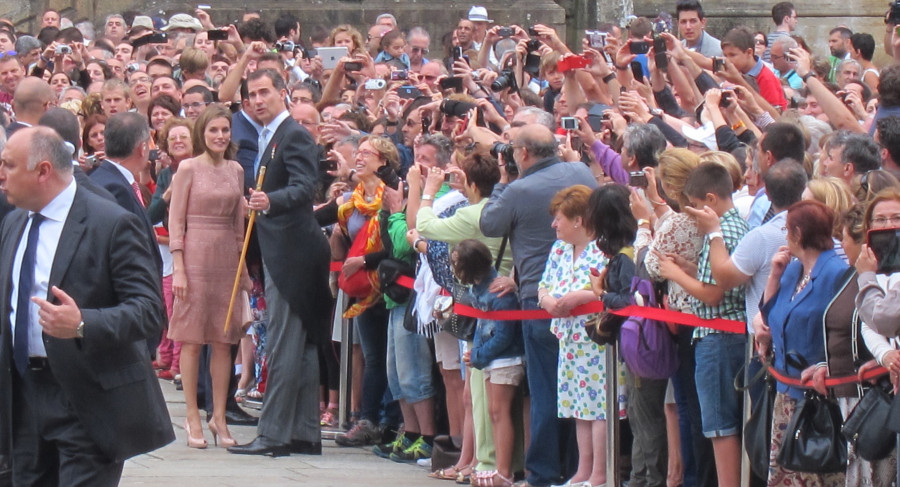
x,y
127,154
79,294
292,245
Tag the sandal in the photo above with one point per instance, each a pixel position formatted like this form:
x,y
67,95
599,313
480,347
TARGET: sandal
x,y
464,477
491,478
450,473
239,395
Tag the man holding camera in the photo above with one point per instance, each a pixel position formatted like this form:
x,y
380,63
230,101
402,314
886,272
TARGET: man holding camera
x,y
519,210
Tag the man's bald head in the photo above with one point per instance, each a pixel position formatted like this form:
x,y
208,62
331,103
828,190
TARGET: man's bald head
x,y
31,99
35,166
536,142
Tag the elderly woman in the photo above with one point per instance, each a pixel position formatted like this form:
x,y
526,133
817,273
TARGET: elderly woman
x,y
848,343
174,141
795,299
581,378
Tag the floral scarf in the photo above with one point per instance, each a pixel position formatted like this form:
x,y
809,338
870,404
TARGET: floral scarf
x,y
372,231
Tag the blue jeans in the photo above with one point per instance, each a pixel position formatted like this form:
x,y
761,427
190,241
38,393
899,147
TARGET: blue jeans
x,y
542,460
719,358
372,326
409,360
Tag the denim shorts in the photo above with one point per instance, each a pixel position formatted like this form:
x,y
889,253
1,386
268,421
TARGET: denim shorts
x,y
409,360
719,358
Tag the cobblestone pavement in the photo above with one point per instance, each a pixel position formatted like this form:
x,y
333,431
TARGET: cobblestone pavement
x,y
178,465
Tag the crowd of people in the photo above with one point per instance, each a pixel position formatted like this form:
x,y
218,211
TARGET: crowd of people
x,y
741,176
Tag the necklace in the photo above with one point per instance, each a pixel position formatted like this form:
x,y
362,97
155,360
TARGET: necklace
x,y
800,285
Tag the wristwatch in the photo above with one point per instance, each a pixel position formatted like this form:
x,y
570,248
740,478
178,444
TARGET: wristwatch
x,y
810,74
79,330
427,197
643,221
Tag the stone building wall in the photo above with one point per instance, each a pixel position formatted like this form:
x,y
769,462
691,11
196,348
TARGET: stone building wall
x,y
816,17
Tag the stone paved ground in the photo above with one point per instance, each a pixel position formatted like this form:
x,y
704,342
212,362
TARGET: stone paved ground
x,y
177,465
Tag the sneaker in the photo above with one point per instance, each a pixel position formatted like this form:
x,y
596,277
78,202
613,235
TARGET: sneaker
x,y
400,443
424,463
416,451
364,433
328,419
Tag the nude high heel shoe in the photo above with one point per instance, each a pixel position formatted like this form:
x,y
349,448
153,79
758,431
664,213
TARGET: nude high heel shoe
x,y
199,443
227,441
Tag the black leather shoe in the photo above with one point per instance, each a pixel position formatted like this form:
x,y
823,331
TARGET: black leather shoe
x,y
301,447
261,446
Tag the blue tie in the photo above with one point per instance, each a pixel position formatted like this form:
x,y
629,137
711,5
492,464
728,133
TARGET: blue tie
x,y
26,282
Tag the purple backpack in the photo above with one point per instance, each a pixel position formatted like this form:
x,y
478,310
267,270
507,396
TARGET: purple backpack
x,y
647,346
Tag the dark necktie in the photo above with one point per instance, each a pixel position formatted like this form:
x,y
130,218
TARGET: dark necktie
x,y
769,214
26,282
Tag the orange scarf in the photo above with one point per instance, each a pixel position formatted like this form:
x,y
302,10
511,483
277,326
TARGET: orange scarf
x,y
372,232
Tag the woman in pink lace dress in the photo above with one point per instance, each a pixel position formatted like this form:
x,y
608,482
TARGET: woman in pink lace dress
x,y
206,225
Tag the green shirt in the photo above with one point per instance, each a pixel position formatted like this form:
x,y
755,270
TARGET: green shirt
x,y
461,226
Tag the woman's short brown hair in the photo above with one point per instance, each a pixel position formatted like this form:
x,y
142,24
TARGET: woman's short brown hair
x,y
572,202
198,139
889,194
814,221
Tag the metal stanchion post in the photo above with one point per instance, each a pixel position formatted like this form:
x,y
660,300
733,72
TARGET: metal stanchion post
x,y
745,460
345,367
612,417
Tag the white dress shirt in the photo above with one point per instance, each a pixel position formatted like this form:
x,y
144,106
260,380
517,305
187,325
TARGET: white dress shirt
x,y
265,136
55,214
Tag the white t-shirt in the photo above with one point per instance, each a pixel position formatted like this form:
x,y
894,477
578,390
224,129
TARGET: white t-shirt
x,y
753,257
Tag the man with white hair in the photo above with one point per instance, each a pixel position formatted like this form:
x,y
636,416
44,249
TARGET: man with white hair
x,y
779,53
387,20
115,28
417,42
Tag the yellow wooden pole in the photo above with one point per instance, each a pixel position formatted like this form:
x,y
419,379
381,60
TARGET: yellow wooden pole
x,y
237,278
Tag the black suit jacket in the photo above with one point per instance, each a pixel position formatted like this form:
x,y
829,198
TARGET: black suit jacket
x,y
107,267
111,179
293,246
14,127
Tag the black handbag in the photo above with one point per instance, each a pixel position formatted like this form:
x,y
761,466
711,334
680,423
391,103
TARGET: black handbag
x,y
758,430
389,270
812,441
461,327
603,328
865,427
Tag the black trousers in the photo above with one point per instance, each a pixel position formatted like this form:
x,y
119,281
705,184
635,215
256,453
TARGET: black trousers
x,y
50,444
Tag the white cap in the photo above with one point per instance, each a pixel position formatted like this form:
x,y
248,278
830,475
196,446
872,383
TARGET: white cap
x,y
705,134
478,14
183,21
142,21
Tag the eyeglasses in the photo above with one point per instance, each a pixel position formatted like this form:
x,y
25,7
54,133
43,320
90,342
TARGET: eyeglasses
x,y
423,50
133,81
196,104
175,138
881,221
760,42
366,153
8,53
